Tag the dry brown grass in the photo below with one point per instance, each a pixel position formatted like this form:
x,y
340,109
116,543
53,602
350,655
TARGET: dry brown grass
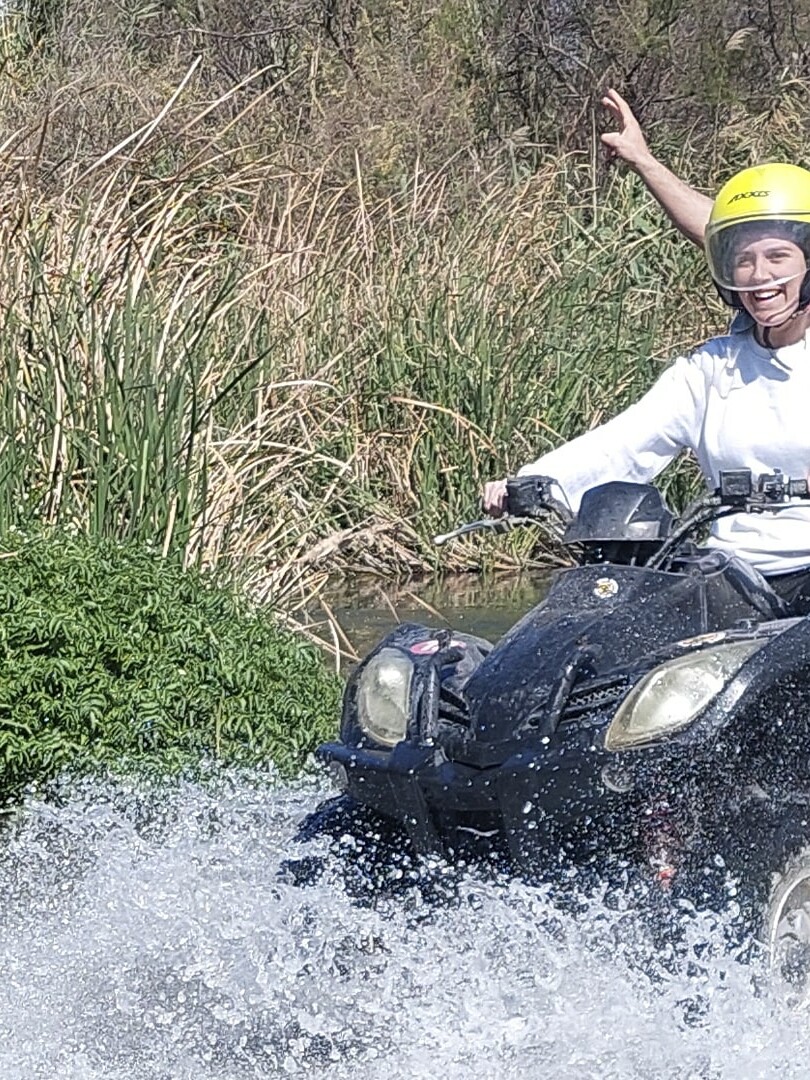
x,y
287,362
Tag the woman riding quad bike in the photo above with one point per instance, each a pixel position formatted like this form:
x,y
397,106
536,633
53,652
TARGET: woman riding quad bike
x,y
739,400
655,708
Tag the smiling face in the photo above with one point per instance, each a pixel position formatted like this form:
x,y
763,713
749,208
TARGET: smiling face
x,y
767,275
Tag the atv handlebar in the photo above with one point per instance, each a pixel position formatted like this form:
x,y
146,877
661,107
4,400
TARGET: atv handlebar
x,y
531,500
739,488
739,492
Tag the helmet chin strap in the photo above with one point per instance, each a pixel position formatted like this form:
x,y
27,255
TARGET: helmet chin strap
x,y
801,308
732,298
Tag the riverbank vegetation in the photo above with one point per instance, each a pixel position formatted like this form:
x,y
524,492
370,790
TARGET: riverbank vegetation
x,y
113,657
282,284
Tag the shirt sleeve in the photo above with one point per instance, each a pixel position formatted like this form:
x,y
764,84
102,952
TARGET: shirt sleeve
x,y
638,443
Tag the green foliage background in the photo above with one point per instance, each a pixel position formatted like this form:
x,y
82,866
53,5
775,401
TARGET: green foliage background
x,y
390,80
111,655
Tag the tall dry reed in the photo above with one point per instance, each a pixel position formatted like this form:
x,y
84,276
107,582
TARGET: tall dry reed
x,y
250,366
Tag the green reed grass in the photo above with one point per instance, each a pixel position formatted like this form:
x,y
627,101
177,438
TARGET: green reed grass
x,y
481,343
251,369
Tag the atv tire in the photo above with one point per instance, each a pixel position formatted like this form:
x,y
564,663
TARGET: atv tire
x,y
786,929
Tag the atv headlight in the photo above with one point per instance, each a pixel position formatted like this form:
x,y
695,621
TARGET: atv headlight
x,y
671,696
384,696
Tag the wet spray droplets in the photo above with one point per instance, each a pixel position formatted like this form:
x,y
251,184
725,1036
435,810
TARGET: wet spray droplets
x,y
151,934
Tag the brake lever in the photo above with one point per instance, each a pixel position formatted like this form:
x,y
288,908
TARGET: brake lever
x,y
501,524
766,506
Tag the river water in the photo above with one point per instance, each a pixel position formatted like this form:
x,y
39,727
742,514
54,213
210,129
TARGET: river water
x,y
487,607
154,933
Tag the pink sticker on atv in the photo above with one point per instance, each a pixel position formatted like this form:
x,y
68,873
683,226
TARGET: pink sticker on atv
x,y
425,648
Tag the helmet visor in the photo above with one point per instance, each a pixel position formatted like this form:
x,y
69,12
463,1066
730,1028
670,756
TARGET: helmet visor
x,y
726,251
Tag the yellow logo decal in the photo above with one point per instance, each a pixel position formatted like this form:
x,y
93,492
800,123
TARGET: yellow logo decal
x,y
605,588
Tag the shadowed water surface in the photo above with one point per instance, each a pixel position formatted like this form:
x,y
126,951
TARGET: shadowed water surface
x,y
485,606
148,933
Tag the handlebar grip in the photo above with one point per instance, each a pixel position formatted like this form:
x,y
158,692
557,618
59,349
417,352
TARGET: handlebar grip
x,y
528,496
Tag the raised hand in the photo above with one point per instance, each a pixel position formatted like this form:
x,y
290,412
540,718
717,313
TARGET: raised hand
x,y
628,143
687,209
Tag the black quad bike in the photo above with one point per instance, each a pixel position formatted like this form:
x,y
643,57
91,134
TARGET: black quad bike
x,y
653,709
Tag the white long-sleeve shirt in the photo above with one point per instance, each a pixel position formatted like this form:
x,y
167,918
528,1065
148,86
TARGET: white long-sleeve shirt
x,y
736,405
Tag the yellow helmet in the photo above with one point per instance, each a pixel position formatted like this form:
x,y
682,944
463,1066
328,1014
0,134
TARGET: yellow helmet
x,y
766,199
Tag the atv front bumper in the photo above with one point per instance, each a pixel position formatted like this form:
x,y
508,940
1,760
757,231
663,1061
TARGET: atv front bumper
x,y
537,803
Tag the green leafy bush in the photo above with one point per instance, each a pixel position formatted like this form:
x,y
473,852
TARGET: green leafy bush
x,y
111,655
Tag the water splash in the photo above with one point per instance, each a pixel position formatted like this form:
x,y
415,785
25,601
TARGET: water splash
x,y
147,934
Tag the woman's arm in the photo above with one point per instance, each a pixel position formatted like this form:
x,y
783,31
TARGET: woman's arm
x,y
686,208
635,445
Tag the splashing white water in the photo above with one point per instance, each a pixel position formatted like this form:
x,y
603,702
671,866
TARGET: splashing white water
x,y
148,935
